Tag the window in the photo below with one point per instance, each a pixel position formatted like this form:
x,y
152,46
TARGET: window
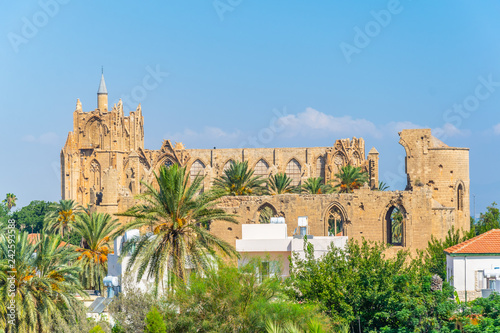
x,y
460,197
197,168
266,211
320,167
395,226
168,163
303,231
261,168
335,222
293,171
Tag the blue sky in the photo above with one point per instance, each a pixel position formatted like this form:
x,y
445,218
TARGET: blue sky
x,y
226,69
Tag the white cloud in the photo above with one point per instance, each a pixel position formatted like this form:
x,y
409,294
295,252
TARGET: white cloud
x,y
449,130
397,126
313,123
49,138
496,129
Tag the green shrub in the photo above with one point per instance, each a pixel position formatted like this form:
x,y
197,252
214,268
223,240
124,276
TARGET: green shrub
x,y
154,322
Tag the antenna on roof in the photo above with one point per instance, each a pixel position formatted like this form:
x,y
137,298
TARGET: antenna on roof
x,y
102,69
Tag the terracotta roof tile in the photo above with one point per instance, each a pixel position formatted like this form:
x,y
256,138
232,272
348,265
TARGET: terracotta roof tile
x,y
33,238
489,242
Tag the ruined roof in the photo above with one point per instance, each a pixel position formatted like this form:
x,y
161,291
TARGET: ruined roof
x,y
102,86
489,242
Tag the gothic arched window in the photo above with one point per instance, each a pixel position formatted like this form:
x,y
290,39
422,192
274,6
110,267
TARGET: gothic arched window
x,y
460,197
293,171
261,168
266,211
395,226
336,221
320,167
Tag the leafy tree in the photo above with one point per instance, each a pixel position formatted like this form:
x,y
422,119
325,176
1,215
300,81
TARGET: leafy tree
x,y
488,220
4,216
46,282
131,307
238,179
32,216
360,287
435,257
231,299
61,216
10,201
97,231
179,220
315,186
350,178
154,322
280,183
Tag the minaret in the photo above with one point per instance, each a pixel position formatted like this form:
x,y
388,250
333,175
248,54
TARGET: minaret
x,y
102,96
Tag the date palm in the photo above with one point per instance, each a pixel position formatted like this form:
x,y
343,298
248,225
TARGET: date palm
x,y
239,180
46,282
350,178
179,219
97,231
314,185
280,183
61,216
10,200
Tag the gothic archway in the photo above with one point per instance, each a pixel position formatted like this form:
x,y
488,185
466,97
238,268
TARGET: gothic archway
x,y
265,212
335,220
395,225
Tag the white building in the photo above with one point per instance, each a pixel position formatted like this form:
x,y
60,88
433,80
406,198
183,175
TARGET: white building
x,y
473,267
272,245
117,267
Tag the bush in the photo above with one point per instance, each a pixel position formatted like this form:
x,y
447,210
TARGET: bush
x,y
154,322
130,308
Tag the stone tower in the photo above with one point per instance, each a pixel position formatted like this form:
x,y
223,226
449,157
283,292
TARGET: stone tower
x,y
92,160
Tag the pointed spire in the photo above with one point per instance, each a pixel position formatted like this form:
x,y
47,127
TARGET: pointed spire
x,y
102,86
78,105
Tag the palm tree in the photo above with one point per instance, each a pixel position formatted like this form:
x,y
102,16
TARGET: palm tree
x,y
239,180
350,178
382,186
46,284
10,201
280,184
315,186
61,216
97,231
179,219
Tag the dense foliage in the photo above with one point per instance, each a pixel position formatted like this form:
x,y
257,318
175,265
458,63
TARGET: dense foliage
x,y
46,282
487,220
229,299
361,287
31,217
238,179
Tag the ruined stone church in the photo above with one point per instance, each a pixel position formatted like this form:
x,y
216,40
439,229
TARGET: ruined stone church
x,y
103,163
